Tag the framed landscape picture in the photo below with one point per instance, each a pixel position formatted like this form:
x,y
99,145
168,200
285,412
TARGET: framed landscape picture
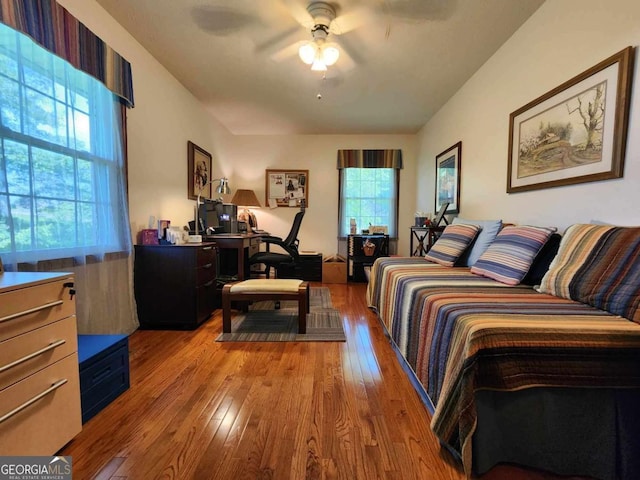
x,y
576,132
448,179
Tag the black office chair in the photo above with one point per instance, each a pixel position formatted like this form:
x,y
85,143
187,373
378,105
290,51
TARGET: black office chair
x,y
289,245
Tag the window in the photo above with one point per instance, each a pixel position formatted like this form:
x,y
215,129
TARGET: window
x,y
370,196
61,159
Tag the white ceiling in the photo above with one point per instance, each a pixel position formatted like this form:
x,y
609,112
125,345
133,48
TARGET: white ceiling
x,y
401,59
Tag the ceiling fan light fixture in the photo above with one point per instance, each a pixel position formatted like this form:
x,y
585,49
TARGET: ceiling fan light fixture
x,y
318,65
308,52
330,54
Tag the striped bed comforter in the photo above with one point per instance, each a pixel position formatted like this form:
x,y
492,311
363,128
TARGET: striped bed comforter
x,y
470,336
396,290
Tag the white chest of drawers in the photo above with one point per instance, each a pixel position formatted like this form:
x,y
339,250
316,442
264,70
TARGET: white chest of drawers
x,y
39,382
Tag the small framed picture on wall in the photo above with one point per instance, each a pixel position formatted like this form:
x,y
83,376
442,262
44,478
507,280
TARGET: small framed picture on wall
x,y
199,168
448,179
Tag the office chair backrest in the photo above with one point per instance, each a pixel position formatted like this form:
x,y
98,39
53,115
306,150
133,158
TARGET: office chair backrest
x,y
292,238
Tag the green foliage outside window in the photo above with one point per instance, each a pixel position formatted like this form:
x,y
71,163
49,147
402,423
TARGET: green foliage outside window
x,y
368,195
59,156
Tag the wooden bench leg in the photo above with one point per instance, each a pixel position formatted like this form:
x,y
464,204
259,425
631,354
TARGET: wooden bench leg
x,y
303,307
226,308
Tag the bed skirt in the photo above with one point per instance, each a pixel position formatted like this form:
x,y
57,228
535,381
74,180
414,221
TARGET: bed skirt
x,y
568,431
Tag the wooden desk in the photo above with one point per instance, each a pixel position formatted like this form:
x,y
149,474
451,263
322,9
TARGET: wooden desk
x,y
234,250
425,237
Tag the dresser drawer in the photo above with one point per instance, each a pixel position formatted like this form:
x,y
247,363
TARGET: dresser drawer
x,y
25,354
50,416
206,301
206,254
206,273
28,308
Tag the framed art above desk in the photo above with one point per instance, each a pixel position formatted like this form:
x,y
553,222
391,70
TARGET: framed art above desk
x,y
287,188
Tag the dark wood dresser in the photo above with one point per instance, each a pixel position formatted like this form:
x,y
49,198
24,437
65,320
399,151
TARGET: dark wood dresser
x,y
175,285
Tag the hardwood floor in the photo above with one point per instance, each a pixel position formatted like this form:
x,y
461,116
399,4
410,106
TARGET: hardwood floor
x,y
198,409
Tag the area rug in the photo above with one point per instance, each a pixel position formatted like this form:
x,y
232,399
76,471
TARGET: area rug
x,y
262,323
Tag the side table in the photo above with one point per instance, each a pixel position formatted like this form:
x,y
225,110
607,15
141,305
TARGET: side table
x,y
423,238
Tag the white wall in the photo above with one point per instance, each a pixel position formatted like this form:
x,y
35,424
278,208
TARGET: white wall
x,y
166,116
562,39
247,158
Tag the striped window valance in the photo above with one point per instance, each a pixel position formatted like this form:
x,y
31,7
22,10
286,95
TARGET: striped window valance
x,y
53,27
369,159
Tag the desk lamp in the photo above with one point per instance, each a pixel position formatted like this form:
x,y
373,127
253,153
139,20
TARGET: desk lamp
x,y
245,199
223,188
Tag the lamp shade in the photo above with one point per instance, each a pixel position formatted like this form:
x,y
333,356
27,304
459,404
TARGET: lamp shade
x,y
245,198
224,186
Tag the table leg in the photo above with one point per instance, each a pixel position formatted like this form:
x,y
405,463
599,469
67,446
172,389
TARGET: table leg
x,y
226,308
303,307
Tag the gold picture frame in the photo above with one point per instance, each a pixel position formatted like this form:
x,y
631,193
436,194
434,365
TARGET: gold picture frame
x,y
199,172
576,132
286,188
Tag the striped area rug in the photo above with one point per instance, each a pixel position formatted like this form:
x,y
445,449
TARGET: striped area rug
x,y
262,323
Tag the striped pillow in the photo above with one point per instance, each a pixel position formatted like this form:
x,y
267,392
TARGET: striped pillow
x,y
511,254
452,243
598,265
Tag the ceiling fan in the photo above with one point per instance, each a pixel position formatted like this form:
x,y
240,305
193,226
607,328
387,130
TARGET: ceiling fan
x,y
319,53
322,19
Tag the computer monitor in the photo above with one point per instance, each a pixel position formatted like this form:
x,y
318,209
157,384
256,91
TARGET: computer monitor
x,y
208,215
217,217
227,217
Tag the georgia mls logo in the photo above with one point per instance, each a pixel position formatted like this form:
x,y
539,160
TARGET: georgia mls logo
x,y
59,466
35,468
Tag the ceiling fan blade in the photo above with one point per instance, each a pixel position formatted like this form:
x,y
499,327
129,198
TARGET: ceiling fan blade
x,y
286,52
299,12
279,41
352,19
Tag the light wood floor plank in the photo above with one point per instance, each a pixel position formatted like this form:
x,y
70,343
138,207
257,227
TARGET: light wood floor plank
x,y
198,409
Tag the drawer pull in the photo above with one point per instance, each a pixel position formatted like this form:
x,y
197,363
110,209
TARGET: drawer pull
x,y
207,266
51,346
31,310
33,400
207,248
208,284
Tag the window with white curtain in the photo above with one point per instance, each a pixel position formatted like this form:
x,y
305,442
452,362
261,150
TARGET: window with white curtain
x,y
370,196
62,187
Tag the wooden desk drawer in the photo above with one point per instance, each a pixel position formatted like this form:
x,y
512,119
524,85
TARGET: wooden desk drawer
x,y
52,418
28,308
206,254
206,297
206,273
37,349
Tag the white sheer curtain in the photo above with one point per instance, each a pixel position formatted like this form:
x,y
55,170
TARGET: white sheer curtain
x,y
63,199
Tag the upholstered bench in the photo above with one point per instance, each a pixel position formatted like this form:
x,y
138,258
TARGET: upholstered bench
x,y
266,289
